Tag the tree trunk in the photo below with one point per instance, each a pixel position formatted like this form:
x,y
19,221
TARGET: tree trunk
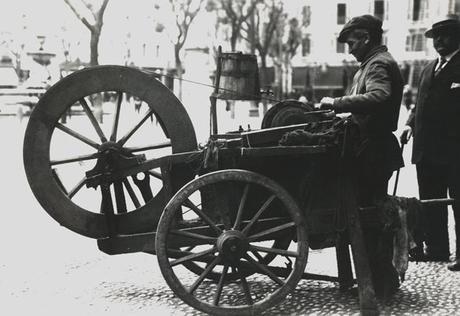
x,y
264,84
278,80
287,74
263,70
94,58
94,61
233,39
179,70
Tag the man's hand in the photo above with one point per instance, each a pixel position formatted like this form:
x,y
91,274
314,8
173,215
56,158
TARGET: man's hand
x,y
406,134
327,103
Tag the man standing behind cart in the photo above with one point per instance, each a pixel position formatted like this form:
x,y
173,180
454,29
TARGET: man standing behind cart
x,y
373,101
436,148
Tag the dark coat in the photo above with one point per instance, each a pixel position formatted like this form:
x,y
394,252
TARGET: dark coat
x,y
374,101
436,117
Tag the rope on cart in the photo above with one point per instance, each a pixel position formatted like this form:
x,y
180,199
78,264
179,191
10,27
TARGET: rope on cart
x,y
224,89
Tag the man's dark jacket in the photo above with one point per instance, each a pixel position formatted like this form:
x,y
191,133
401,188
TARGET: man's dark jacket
x,y
436,117
374,101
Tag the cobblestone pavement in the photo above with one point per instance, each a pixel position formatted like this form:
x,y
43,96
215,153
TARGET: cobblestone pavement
x,y
48,270
132,285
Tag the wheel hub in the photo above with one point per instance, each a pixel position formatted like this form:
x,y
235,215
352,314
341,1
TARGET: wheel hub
x,y
108,148
232,245
113,158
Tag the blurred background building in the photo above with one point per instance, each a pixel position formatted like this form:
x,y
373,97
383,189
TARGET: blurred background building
x,y
295,41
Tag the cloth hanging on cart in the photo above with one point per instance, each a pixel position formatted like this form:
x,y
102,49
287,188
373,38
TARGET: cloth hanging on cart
x,y
399,215
316,134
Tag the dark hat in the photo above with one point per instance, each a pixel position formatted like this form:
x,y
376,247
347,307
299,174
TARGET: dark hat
x,y
450,23
366,22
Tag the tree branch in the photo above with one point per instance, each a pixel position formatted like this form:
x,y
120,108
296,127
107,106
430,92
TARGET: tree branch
x,y
77,14
100,14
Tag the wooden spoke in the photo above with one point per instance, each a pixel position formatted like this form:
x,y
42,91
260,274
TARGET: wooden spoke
x,y
275,251
116,118
206,271
58,181
93,120
77,188
270,231
74,159
194,235
192,256
245,286
155,174
257,215
189,248
150,147
239,214
131,193
257,255
201,214
78,136
265,270
120,197
125,138
220,285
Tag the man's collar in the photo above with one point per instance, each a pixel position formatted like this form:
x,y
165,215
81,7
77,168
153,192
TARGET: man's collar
x,y
375,50
449,57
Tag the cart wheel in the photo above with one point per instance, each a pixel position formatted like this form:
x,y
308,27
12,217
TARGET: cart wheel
x,y
85,130
279,243
231,239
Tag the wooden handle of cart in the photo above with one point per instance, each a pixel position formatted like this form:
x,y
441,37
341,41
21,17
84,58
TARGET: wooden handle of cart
x,y
444,201
438,201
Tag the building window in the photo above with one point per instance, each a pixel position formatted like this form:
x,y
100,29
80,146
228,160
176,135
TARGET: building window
x,y
306,45
379,9
457,7
419,10
340,47
341,13
416,10
416,41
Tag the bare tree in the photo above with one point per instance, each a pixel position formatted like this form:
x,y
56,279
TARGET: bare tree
x,y
288,37
236,13
184,12
259,31
93,18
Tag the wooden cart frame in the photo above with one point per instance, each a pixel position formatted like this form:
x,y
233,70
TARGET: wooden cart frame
x,y
247,216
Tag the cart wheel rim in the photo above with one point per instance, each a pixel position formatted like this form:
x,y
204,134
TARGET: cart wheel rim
x,y
44,121
221,244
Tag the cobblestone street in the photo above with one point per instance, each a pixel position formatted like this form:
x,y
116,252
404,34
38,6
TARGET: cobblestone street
x,y
48,270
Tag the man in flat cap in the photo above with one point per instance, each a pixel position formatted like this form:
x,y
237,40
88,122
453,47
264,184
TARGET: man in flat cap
x,y
435,124
374,101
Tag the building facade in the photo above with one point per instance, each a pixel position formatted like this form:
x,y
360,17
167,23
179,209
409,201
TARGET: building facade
x,y
324,65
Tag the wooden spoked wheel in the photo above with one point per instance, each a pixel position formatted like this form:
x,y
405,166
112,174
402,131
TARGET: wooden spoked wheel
x,y
87,135
231,236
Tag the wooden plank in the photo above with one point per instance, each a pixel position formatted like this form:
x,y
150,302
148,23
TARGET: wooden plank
x,y
282,150
262,137
345,273
367,300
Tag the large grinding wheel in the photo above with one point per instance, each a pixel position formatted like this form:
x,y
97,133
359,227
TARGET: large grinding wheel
x,y
288,112
231,240
96,121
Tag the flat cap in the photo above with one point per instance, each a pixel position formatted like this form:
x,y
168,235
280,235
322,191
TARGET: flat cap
x,y
366,22
451,22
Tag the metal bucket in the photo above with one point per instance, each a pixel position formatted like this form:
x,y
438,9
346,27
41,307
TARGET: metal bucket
x,y
238,77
